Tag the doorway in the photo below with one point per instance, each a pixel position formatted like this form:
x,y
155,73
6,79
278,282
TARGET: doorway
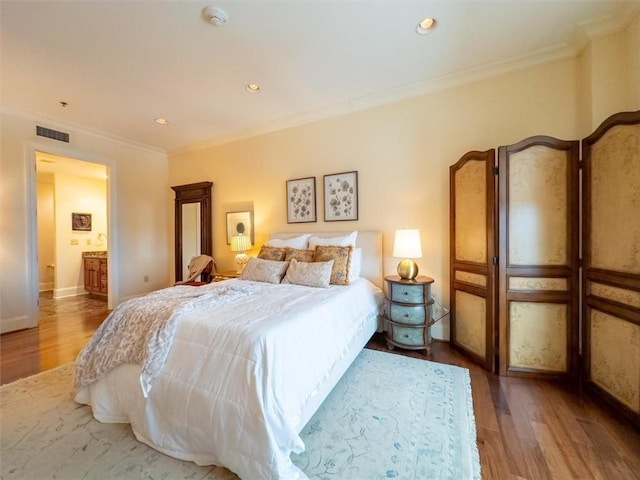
x,y
67,190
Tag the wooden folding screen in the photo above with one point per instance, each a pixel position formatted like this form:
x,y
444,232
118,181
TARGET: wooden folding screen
x,y
538,258
473,254
529,302
611,277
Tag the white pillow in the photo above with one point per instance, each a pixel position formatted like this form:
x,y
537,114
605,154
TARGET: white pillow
x,y
299,243
310,274
356,264
342,241
261,270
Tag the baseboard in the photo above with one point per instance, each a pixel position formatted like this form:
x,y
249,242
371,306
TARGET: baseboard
x,y
69,292
440,331
45,287
17,323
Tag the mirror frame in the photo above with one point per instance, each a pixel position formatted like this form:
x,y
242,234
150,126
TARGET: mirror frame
x,y
193,193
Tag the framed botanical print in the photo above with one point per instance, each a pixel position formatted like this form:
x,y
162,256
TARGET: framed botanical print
x,y
301,200
341,197
240,223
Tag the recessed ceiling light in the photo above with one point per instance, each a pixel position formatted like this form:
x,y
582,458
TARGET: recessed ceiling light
x,y
426,26
252,88
161,121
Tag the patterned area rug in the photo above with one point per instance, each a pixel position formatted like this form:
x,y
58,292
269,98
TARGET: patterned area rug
x,y
390,416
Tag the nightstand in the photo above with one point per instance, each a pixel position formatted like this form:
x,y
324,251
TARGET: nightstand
x,y
220,276
409,313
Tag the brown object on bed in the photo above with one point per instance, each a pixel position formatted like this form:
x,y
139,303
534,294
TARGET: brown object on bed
x,y
300,255
341,257
272,253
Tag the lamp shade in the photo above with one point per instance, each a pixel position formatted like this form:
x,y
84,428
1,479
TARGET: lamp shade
x,y
407,243
240,243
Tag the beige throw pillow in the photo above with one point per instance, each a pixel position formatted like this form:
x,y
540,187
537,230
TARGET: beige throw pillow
x,y
261,270
316,274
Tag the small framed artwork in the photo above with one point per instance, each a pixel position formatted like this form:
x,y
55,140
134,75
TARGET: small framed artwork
x,y
301,200
81,222
341,197
240,222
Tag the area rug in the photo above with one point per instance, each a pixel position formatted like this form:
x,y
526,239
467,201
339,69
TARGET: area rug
x,y
390,416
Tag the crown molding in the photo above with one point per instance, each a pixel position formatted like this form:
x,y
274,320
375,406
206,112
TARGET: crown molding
x,y
392,96
619,21
58,124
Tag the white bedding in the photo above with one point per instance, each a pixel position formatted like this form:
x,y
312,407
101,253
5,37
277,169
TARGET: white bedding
x,y
238,379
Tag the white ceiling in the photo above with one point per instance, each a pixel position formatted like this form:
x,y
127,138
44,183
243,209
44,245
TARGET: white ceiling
x,y
120,64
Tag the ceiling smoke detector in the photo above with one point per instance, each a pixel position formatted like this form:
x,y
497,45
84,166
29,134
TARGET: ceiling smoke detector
x,y
215,15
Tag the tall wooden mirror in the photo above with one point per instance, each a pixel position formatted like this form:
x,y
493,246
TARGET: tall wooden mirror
x,y
193,232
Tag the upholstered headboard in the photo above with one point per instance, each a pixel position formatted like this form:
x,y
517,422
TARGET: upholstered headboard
x,y
371,244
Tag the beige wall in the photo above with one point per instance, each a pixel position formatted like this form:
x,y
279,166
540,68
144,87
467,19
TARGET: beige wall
x,y
46,233
609,76
138,185
633,61
402,152
76,195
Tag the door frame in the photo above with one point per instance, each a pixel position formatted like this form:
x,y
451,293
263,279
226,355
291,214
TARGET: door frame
x,y
32,148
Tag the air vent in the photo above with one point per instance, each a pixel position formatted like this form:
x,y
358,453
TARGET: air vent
x,y
54,134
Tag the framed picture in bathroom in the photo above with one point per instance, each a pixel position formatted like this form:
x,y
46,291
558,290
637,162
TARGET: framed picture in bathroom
x,y
81,222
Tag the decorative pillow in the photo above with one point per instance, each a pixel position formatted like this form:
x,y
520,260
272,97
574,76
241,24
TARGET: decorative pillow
x,y
261,270
299,242
356,264
315,274
300,255
341,257
341,241
272,253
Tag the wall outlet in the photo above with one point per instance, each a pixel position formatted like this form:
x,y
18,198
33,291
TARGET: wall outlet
x,y
74,241
146,278
88,241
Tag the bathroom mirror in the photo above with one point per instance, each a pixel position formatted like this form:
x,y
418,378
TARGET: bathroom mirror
x,y
193,232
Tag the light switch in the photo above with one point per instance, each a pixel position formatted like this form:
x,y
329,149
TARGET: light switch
x,y
88,241
74,241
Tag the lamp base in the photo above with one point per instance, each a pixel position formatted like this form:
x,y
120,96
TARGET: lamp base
x,y
241,261
408,269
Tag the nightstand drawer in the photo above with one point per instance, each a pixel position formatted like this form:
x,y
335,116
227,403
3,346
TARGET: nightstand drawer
x,y
409,293
409,314
410,336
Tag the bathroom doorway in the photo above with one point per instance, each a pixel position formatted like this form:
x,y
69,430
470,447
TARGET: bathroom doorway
x,y
71,219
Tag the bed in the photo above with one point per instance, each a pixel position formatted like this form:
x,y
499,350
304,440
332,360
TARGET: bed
x,y
249,364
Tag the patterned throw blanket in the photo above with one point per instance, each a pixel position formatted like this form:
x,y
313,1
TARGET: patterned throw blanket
x,y
141,331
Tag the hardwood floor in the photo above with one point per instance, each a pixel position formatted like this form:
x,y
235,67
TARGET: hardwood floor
x,y
66,325
526,429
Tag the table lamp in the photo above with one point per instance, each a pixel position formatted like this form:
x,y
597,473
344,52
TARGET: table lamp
x,y
407,245
240,243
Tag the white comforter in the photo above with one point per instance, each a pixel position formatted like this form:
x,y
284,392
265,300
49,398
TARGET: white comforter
x,y
237,378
